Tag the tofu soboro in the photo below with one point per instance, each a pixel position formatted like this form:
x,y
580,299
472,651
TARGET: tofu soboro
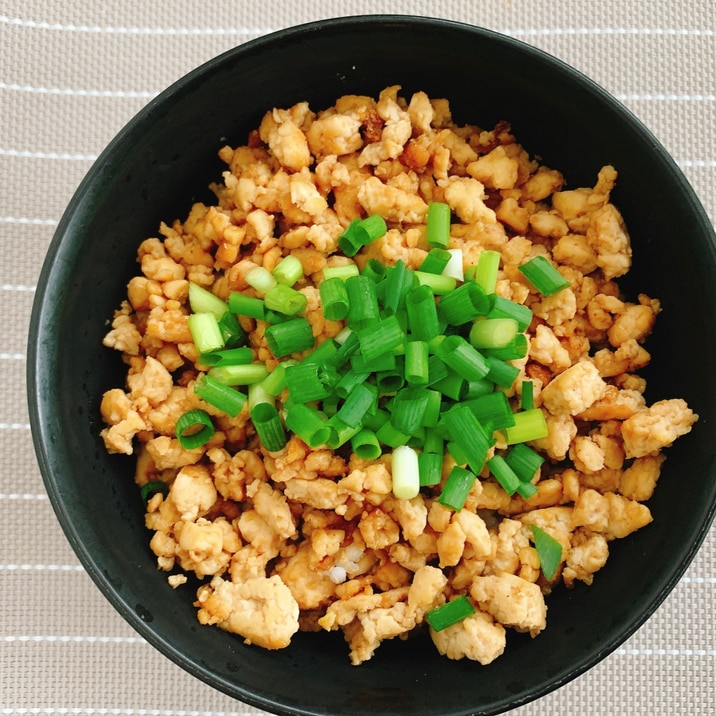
x,y
315,538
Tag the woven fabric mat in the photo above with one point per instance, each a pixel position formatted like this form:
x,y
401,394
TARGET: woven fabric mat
x,y
72,73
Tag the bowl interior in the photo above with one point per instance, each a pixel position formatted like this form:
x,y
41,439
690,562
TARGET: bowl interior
x,y
166,158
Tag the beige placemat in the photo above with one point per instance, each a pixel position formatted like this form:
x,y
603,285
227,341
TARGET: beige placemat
x,y
71,75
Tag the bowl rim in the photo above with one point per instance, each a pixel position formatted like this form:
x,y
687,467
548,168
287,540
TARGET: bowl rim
x,y
43,441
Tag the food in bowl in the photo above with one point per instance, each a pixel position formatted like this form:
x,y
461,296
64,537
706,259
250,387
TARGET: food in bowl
x,y
444,416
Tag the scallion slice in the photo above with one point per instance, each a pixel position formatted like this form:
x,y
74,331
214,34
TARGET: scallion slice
x,y
194,429
149,489
543,276
408,409
306,422
362,301
334,298
450,613
366,445
524,461
230,356
501,372
423,322
416,362
239,374
249,306
438,224
529,425
430,467
435,261
490,333
221,396
457,487
360,400
380,337
285,299
306,382
504,308
260,279
201,300
269,428
343,271
504,474
459,355
549,551
463,305
405,473
288,270
440,284
205,332
527,400
488,264
292,336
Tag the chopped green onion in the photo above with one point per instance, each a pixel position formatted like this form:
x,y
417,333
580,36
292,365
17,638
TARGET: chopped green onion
x,y
437,370
454,266
202,300
527,490
194,429
405,472
231,330
340,433
334,298
376,419
151,488
267,423
549,551
349,380
230,356
347,349
305,422
416,362
450,613
431,417
430,468
456,452
457,487
438,224
366,445
408,410
205,332
380,337
275,382
454,386
466,430
384,362
435,261
440,284
220,395
504,308
543,276
492,332
389,381
324,354
527,400
247,306
388,435
307,382
477,388
374,270
488,264
459,355
501,372
398,281
504,474
463,305
285,299
529,425
361,399
434,442
361,232
362,301
288,270
342,272
292,336
260,279
493,408
422,312
239,374
524,461
516,349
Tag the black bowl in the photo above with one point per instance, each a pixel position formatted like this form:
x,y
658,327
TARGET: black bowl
x,y
165,159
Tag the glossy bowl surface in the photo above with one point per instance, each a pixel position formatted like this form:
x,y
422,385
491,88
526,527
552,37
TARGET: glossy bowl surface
x,y
165,159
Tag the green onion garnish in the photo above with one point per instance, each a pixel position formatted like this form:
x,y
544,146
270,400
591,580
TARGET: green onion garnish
x,y
151,488
459,355
247,305
524,461
334,298
285,299
221,396
504,308
463,305
438,224
260,279
549,551
488,264
457,487
430,467
268,426
292,336
490,333
239,374
366,445
343,271
529,425
422,313
504,474
527,400
435,261
194,429
305,422
406,473
202,300
288,270
230,356
450,613
543,276
205,332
